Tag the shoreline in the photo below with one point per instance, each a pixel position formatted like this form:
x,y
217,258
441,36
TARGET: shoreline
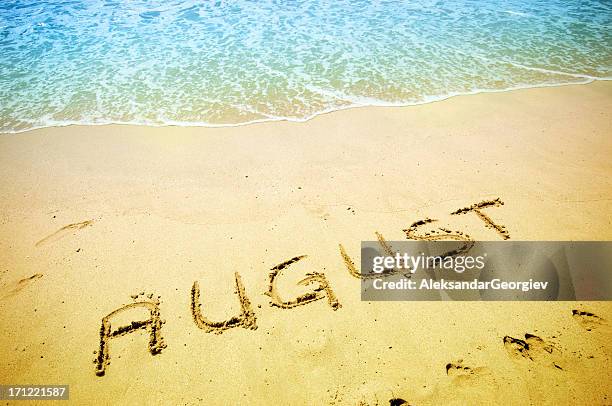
x,y
430,100
94,219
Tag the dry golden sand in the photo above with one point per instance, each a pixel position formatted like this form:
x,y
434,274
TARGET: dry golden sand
x,y
92,215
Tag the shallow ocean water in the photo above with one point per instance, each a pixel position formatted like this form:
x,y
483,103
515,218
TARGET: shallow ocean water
x,y
234,62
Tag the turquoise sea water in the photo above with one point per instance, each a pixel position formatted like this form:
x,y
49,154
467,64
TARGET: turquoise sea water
x,y
233,62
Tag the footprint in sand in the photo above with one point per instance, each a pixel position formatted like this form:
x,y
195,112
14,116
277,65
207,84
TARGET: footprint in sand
x,y
392,402
19,285
62,232
587,320
533,348
476,383
462,374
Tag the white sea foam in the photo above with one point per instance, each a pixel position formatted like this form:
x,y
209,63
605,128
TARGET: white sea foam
x,y
218,64
516,13
163,122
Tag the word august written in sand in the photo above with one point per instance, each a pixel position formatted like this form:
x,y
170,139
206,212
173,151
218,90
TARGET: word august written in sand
x,y
321,289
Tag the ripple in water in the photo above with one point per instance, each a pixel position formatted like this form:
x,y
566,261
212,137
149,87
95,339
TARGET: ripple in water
x,y
233,62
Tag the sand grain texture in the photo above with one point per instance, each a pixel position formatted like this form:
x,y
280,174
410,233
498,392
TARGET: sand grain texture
x,y
104,213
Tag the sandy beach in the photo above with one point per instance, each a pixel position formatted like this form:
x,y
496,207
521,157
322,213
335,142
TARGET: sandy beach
x,y
96,217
